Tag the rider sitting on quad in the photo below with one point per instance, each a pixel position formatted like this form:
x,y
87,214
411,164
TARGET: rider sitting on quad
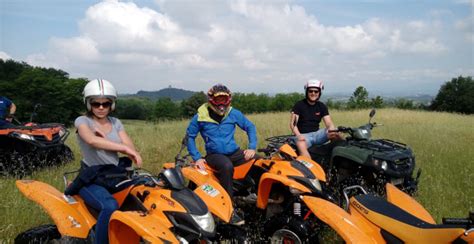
x,y
101,138
306,116
7,110
216,121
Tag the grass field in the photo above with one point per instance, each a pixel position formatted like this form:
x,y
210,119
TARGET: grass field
x,y
442,144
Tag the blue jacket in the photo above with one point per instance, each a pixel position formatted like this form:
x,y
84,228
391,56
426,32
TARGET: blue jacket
x,y
5,104
219,137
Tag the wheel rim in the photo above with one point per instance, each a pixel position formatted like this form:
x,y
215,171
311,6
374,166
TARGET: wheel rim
x,y
285,236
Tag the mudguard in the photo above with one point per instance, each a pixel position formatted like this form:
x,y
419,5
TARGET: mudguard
x,y
265,186
315,168
408,233
350,152
407,203
72,218
211,192
288,150
129,227
216,198
339,220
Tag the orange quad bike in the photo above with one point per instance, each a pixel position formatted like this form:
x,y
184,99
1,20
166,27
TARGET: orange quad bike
x,y
267,193
153,209
25,147
398,218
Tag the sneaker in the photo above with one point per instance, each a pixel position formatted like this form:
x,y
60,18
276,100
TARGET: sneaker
x,y
236,219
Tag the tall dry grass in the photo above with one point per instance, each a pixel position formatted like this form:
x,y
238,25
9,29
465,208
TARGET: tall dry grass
x,y
442,143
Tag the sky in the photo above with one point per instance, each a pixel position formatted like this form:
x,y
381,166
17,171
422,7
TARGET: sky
x,y
388,46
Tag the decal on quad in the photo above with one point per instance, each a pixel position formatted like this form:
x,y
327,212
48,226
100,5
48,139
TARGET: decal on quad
x,y
209,190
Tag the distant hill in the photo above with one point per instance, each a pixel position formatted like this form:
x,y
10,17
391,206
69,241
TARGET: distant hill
x,y
174,94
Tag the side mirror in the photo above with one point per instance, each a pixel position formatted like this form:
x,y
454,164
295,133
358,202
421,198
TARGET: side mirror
x,y
372,113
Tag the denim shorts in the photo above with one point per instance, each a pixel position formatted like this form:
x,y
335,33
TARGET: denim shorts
x,y
315,138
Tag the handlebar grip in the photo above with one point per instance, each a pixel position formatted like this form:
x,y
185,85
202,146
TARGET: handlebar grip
x,y
264,150
456,221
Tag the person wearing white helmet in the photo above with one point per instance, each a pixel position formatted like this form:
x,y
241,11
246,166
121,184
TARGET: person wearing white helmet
x,y
306,116
101,137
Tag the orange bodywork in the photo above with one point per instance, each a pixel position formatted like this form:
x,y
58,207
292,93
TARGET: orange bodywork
x,y
342,222
209,190
409,233
407,203
71,219
46,132
128,227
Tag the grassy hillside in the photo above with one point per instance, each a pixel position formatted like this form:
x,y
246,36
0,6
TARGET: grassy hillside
x,y
442,144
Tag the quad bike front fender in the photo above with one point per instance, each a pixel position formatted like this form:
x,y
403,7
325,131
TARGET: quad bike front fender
x,y
72,218
315,168
129,227
352,153
339,220
211,192
265,186
407,203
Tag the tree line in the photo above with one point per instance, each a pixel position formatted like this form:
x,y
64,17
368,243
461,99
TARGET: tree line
x,y
61,98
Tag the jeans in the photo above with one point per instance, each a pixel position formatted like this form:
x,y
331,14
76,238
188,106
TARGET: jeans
x,y
101,200
318,137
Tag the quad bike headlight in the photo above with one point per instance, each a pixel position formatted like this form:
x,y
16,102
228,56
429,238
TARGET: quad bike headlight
x,y
62,131
24,136
206,221
380,163
313,184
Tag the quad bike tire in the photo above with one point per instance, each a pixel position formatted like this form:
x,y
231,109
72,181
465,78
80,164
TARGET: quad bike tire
x,y
38,235
284,229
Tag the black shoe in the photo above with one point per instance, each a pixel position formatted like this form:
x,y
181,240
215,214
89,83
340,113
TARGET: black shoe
x,y
236,219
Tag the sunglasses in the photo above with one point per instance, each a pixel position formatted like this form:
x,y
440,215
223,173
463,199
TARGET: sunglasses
x,y
313,91
104,105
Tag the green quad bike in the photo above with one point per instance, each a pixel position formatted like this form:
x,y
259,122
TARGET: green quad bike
x,y
360,160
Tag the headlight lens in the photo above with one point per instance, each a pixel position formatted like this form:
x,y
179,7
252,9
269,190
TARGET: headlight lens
x,y
316,184
380,163
62,131
25,136
206,222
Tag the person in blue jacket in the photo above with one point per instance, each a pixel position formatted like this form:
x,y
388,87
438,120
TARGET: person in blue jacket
x,y
7,110
216,121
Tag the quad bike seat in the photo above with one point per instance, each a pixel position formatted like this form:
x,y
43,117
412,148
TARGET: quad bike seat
x,y
401,224
325,149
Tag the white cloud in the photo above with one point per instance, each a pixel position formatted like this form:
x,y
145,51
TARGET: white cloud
x,y
4,55
250,42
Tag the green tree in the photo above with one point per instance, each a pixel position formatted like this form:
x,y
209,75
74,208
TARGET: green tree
x,y
165,108
403,103
377,102
456,95
359,99
189,106
60,97
134,108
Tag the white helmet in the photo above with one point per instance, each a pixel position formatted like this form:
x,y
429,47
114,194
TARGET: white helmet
x,y
99,88
315,84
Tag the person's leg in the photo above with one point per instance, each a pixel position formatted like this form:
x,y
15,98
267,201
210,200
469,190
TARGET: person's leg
x,y
224,168
304,145
100,199
319,137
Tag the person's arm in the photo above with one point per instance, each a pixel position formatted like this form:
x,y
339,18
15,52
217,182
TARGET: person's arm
x,y
247,125
293,122
136,157
12,109
328,122
99,142
192,132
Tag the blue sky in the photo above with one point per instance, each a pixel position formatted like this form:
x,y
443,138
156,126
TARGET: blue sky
x,y
388,46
